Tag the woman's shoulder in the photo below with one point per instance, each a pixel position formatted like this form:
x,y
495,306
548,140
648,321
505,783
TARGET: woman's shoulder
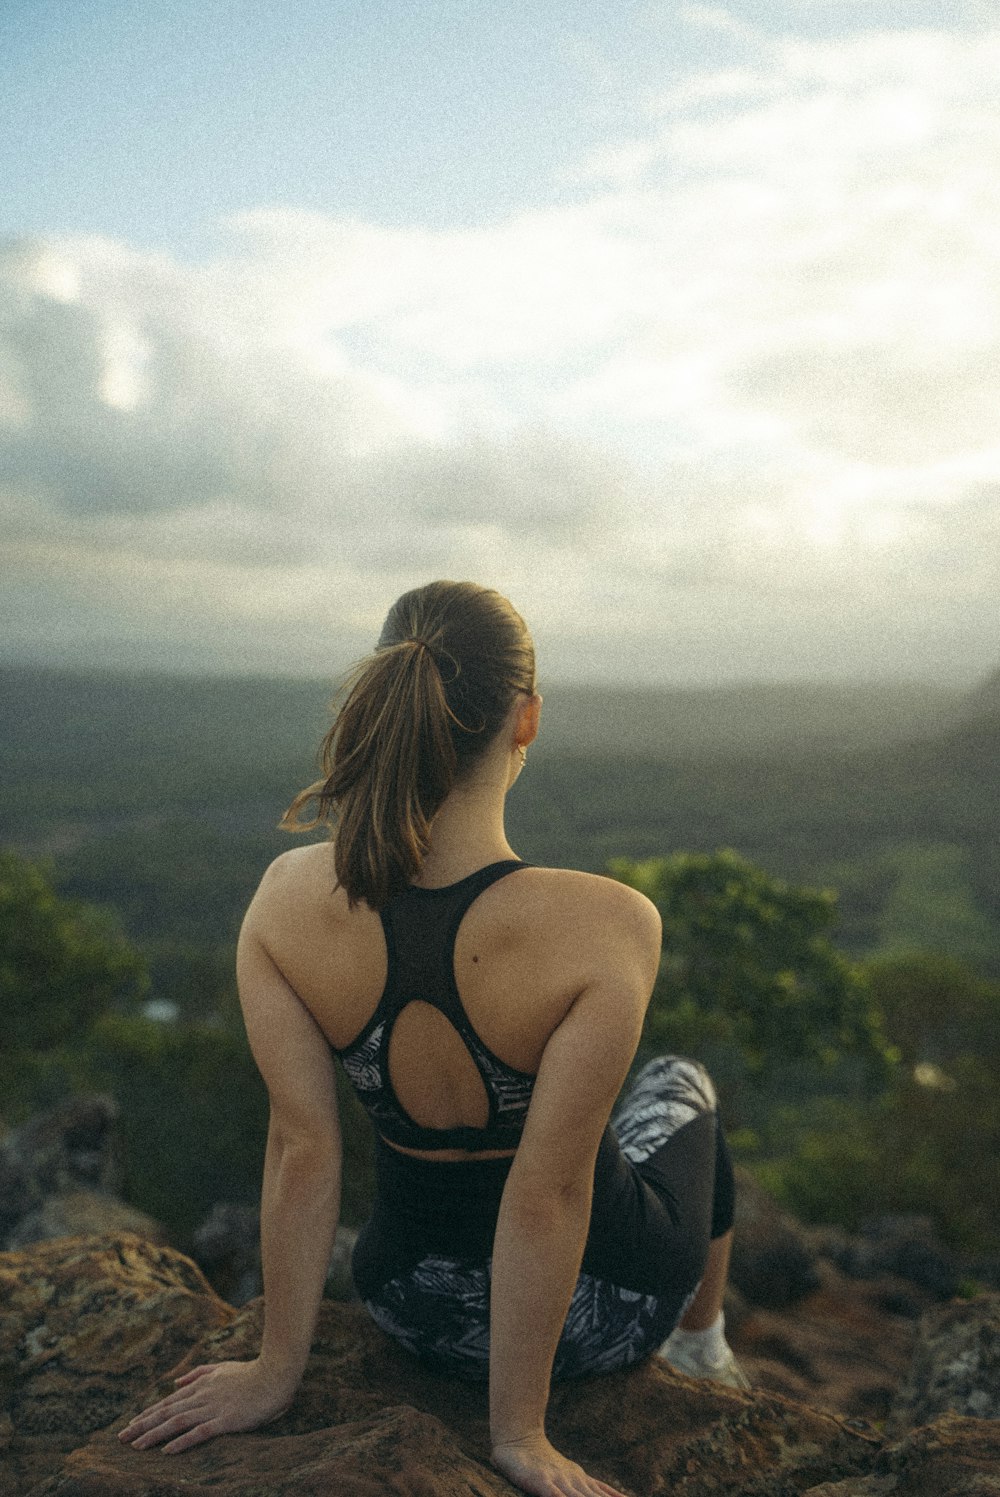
x,y
591,901
298,880
297,865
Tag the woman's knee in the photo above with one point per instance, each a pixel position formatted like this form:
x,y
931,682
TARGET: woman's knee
x,y
669,1093
678,1078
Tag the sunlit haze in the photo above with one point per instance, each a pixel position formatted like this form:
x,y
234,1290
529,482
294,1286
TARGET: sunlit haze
x,y
678,323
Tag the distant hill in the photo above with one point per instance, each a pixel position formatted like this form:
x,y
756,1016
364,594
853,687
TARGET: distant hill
x,y
985,697
160,795
55,713
980,710
971,745
756,718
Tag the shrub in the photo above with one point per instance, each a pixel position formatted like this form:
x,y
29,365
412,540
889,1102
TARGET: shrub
x,y
62,965
195,1117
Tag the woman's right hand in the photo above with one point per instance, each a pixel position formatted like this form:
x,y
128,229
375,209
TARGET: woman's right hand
x,y
534,1465
219,1398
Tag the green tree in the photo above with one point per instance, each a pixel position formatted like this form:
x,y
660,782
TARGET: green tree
x,y
748,963
935,1008
62,965
930,1143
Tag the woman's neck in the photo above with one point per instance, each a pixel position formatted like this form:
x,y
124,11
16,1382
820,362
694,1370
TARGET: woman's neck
x,y
468,830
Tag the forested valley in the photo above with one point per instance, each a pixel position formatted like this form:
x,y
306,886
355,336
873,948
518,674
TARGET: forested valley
x,y
825,857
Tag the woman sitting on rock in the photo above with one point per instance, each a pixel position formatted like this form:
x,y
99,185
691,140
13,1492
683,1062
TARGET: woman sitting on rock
x,y
486,1012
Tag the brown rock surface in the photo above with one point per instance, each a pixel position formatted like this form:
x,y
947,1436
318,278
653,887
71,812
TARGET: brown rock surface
x,y
91,1327
953,1457
856,1486
399,1451
84,1323
838,1349
648,1431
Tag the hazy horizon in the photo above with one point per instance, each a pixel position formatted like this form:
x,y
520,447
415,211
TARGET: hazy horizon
x,y
127,672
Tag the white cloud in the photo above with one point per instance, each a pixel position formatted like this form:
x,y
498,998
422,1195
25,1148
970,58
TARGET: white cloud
x,y
761,362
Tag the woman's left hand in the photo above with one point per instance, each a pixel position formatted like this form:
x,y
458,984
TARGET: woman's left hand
x,y
217,1399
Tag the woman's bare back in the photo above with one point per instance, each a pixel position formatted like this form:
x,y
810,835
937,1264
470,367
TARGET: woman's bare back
x,y
523,952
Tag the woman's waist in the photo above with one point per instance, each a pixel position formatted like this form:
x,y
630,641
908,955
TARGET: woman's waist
x,y
456,1202
416,1183
450,1156
427,1207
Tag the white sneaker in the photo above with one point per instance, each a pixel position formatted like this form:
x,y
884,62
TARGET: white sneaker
x,y
724,1369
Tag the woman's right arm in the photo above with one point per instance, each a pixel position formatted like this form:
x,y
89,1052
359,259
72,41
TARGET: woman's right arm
x,y
299,1210
300,1197
545,1213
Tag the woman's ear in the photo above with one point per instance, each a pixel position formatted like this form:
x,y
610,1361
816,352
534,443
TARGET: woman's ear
x,y
528,715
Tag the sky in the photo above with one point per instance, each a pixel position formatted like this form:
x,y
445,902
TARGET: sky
x,y
678,323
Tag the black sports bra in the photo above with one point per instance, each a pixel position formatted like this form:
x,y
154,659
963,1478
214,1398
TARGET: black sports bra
x,y
420,927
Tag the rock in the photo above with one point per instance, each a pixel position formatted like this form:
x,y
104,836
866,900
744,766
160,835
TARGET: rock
x,y
856,1486
227,1250
77,1213
956,1365
19,1193
74,1144
396,1451
84,1323
985,1271
74,1213
906,1246
953,1457
774,1262
838,1349
91,1328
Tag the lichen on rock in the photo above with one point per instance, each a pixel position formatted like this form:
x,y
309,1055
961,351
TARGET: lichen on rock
x,y
956,1365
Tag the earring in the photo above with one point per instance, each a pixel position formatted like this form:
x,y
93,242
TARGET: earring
x,y
524,754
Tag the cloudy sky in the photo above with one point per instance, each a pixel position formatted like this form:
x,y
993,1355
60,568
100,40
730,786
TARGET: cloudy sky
x,y
679,323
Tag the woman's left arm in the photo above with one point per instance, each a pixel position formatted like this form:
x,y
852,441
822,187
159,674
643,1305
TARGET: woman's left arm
x,y
300,1204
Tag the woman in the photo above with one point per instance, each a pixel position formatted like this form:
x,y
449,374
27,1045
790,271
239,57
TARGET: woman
x,y
487,1013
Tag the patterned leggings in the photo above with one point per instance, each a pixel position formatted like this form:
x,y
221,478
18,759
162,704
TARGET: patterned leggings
x,y
668,1149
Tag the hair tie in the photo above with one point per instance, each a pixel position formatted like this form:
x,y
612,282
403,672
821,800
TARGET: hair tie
x,y
437,653
420,646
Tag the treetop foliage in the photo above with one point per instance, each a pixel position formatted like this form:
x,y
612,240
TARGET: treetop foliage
x,y
748,961
62,962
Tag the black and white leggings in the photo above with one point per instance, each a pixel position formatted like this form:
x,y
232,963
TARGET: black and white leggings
x,y
667,1136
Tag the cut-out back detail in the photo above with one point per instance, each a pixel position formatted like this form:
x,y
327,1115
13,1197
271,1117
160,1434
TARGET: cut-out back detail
x,y
436,1081
420,928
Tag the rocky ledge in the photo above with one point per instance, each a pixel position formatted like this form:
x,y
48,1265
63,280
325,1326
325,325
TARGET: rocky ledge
x,y
92,1329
